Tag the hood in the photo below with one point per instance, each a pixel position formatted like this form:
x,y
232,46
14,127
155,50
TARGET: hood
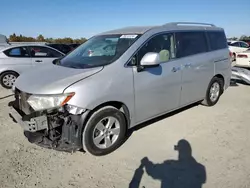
x,y
51,79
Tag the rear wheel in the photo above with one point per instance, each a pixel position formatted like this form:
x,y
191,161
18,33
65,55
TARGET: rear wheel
x,y
214,92
7,79
104,131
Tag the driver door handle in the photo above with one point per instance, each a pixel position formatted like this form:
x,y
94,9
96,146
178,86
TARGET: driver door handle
x,y
38,61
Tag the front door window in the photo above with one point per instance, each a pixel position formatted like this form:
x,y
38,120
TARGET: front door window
x,y
162,44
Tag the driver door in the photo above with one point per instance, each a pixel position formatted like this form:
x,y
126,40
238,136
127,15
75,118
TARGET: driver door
x,y
157,89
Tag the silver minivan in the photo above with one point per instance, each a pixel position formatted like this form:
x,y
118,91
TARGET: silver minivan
x,y
118,79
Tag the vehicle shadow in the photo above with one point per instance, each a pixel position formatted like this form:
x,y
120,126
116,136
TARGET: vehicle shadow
x,y
233,83
6,96
185,172
152,121
147,123
242,82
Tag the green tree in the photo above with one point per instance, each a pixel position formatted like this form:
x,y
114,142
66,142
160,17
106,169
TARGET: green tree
x,y
12,38
244,37
40,38
49,40
233,38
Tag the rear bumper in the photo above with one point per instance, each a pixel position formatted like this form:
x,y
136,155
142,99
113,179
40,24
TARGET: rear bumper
x,y
35,124
243,62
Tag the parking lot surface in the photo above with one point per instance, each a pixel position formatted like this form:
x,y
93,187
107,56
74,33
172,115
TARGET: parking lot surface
x,y
218,136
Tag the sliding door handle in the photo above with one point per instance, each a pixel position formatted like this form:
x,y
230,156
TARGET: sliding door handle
x,y
187,65
175,69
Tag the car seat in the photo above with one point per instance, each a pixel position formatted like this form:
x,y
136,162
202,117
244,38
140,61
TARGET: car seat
x,y
164,55
164,52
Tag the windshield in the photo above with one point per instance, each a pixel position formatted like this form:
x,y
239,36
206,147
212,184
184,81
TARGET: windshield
x,y
98,51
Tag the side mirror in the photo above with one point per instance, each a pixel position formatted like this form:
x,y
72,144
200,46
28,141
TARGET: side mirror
x,y
150,59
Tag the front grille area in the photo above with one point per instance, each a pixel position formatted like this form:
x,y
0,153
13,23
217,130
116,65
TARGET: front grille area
x,y
21,99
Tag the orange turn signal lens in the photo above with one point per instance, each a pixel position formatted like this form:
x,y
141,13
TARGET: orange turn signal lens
x,y
67,98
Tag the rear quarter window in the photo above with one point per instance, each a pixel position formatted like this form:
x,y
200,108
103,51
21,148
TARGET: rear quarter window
x,y
17,52
217,40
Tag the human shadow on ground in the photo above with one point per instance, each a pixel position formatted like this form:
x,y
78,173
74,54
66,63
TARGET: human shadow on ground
x,y
185,172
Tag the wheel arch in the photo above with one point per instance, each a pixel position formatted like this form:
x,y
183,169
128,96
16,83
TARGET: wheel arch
x,y
116,104
222,78
8,71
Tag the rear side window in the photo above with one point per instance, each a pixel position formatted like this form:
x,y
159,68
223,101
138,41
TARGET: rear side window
x,y
190,43
217,40
244,45
17,52
236,44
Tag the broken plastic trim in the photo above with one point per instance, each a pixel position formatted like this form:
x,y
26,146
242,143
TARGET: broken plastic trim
x,y
74,110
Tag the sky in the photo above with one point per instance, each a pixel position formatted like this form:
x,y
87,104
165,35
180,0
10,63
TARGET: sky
x,y
84,18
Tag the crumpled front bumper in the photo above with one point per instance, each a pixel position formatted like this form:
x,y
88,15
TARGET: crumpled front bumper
x,y
56,130
33,125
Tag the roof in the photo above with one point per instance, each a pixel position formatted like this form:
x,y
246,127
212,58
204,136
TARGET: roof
x,y
32,44
167,26
234,41
129,30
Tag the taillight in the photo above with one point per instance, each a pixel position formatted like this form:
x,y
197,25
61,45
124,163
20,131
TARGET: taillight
x,y
242,56
231,54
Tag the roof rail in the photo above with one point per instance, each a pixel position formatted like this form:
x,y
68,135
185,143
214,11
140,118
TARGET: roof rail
x,y
189,23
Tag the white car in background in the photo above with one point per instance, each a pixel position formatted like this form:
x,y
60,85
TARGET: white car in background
x,y
14,60
237,46
243,59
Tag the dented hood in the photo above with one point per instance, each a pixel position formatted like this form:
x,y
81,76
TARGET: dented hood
x,y
51,79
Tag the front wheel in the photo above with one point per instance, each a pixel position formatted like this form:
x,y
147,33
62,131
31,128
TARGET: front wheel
x,y
104,131
214,92
7,79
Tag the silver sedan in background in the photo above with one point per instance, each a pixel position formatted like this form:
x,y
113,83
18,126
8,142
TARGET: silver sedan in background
x,y
14,60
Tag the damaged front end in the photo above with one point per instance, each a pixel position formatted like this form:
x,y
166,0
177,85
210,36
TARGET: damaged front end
x,y
58,128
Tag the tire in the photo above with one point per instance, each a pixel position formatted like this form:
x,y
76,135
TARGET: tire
x,y
210,101
7,79
93,135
